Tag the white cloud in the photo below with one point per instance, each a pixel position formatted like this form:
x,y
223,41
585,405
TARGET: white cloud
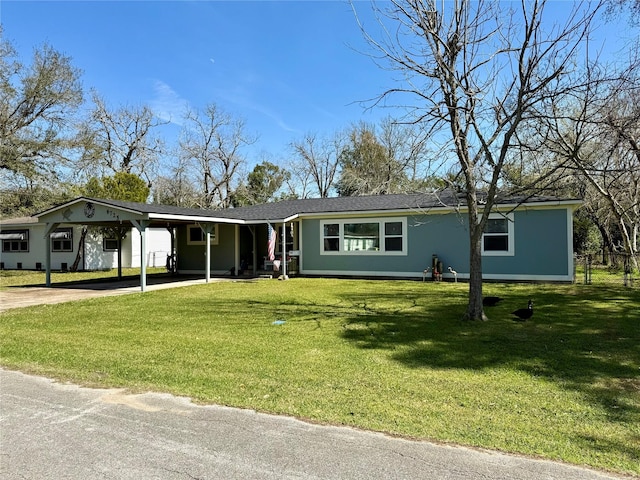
x,y
167,104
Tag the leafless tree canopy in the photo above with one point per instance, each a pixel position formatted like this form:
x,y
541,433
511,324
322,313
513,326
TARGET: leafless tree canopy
x,y
596,133
476,74
212,143
122,140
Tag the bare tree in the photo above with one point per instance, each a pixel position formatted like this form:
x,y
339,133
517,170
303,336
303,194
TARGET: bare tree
x,y
177,187
122,140
598,132
317,158
477,73
408,145
212,141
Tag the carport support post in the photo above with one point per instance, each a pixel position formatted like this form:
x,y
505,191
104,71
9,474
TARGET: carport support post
x,y
284,251
141,226
207,228
49,227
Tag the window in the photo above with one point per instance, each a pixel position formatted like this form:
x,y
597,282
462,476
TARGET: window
x,y
393,240
109,244
62,240
15,240
331,237
497,238
196,236
289,239
364,237
361,236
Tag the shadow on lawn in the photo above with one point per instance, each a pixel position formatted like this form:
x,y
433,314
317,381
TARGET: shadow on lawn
x,y
591,346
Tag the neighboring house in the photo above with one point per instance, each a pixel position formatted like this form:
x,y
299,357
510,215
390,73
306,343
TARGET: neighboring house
x,y
23,247
375,236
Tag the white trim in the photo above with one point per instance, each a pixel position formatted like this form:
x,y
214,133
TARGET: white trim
x,y
381,221
570,259
511,250
465,276
84,200
196,218
528,278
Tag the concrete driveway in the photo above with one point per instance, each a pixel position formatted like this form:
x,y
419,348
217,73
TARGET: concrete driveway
x,y
53,430
17,297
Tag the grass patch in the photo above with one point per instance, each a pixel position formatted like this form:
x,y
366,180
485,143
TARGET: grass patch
x,y
391,356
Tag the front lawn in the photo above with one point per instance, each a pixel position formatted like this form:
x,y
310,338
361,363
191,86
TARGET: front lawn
x,y
391,356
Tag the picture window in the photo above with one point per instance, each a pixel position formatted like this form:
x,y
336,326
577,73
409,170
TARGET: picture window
x,y
364,237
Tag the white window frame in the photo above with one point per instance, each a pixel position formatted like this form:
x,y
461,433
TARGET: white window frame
x,y
214,235
510,252
382,236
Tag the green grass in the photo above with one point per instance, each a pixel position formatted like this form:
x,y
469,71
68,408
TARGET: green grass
x,y
391,356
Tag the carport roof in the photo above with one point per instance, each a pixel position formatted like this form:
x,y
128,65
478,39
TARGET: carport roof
x,y
290,209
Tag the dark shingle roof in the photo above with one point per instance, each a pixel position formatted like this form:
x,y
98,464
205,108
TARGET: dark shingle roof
x,y
290,208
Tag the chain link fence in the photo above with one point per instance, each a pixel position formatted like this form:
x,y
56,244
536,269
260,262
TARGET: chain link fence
x,y
610,269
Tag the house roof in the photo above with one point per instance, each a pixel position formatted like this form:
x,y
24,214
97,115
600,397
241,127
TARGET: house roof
x,y
18,221
289,209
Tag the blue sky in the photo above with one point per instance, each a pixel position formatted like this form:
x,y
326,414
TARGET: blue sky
x,y
286,67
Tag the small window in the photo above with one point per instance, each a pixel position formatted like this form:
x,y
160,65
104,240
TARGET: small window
x,y
196,236
110,244
62,240
393,236
331,237
289,239
497,238
15,240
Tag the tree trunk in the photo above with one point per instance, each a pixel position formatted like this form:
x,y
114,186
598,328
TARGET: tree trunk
x,y
474,308
76,262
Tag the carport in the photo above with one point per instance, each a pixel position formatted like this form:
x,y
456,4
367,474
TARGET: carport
x,y
129,215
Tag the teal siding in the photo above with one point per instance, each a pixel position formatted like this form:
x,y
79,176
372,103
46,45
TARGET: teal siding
x,y
192,257
443,235
540,245
540,248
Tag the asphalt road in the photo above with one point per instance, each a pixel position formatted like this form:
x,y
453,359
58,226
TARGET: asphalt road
x,y
56,431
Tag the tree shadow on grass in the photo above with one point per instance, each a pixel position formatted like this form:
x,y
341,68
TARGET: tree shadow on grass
x,y
588,345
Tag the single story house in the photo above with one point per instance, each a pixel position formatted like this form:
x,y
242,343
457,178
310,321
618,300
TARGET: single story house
x,y
376,236
23,247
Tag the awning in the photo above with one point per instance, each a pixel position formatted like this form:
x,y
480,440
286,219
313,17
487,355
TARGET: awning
x,y
61,235
12,236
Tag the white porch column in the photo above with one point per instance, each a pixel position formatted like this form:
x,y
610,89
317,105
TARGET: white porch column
x,y
207,256
237,249
142,229
284,251
254,258
207,228
50,227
